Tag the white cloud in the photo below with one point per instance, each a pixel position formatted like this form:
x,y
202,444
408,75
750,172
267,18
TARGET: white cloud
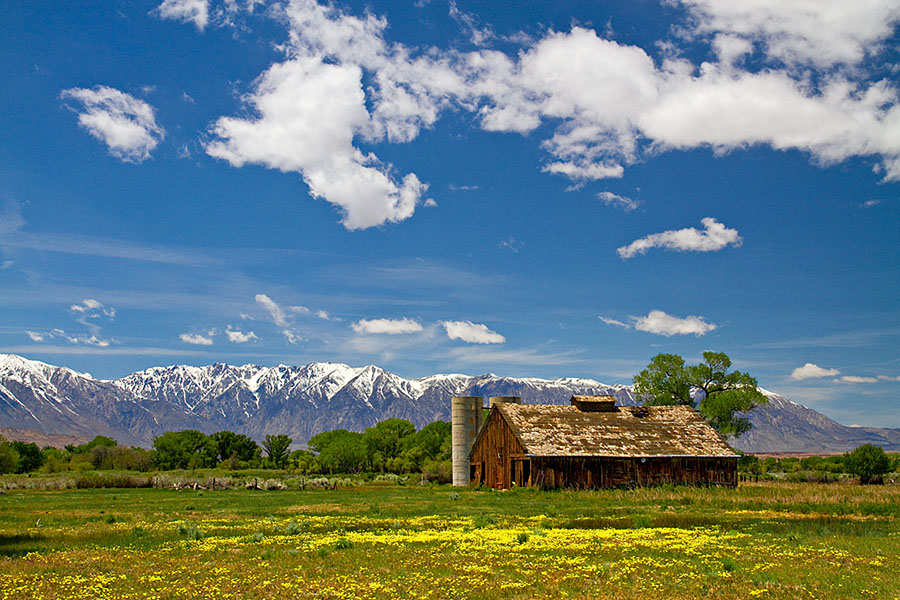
x,y
196,339
280,317
82,339
661,323
856,379
239,337
889,378
616,201
124,123
812,371
479,36
275,311
606,104
714,237
387,326
511,244
323,315
186,11
609,321
309,113
6,264
474,333
817,32
93,309
292,337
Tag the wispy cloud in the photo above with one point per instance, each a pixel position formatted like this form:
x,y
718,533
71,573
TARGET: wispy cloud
x,y
524,357
511,244
473,333
101,351
609,321
274,310
103,247
857,379
715,236
125,124
281,318
387,326
73,338
616,201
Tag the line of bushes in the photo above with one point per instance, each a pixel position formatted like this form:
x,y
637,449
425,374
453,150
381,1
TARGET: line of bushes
x,y
391,446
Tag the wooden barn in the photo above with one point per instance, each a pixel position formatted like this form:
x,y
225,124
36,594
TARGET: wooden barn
x,y
595,444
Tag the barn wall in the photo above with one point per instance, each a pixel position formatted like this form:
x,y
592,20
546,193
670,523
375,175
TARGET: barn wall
x,y
573,472
497,455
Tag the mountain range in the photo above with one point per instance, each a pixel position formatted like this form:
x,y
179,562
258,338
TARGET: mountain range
x,y
304,400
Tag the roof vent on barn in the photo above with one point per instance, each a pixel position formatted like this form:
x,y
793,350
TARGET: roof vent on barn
x,y
594,403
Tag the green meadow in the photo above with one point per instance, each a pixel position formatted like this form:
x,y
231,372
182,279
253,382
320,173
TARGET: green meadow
x,y
387,540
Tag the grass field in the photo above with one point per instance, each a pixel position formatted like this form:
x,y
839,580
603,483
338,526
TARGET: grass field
x,y
387,541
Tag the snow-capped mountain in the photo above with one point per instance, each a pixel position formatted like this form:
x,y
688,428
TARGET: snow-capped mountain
x,y
302,401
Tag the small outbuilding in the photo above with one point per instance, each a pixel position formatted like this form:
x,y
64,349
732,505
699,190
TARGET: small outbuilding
x,y
593,443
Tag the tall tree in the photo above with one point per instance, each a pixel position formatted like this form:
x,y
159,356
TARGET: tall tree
x,y
276,447
230,444
720,395
184,449
384,440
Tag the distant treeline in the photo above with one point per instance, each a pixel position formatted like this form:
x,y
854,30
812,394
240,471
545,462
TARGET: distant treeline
x,y
866,462
391,446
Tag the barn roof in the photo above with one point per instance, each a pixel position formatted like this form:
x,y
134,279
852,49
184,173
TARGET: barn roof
x,y
551,430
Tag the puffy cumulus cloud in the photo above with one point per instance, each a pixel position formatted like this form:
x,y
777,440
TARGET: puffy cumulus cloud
x,y
309,112
196,339
616,201
606,105
474,333
186,11
715,236
816,32
121,121
239,337
387,326
812,371
312,106
661,323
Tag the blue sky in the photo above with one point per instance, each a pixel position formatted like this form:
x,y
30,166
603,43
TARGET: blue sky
x,y
531,189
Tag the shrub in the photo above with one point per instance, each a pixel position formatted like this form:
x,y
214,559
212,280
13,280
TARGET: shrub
x,y
868,462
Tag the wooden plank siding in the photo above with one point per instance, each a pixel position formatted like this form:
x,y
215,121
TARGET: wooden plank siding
x,y
494,453
612,472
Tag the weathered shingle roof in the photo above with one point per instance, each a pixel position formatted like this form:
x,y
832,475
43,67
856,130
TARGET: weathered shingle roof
x,y
550,430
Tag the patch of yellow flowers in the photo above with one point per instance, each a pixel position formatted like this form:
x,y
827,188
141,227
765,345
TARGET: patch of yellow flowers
x,y
428,557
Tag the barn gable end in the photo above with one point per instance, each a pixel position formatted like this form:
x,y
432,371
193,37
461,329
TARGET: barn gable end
x,y
497,456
